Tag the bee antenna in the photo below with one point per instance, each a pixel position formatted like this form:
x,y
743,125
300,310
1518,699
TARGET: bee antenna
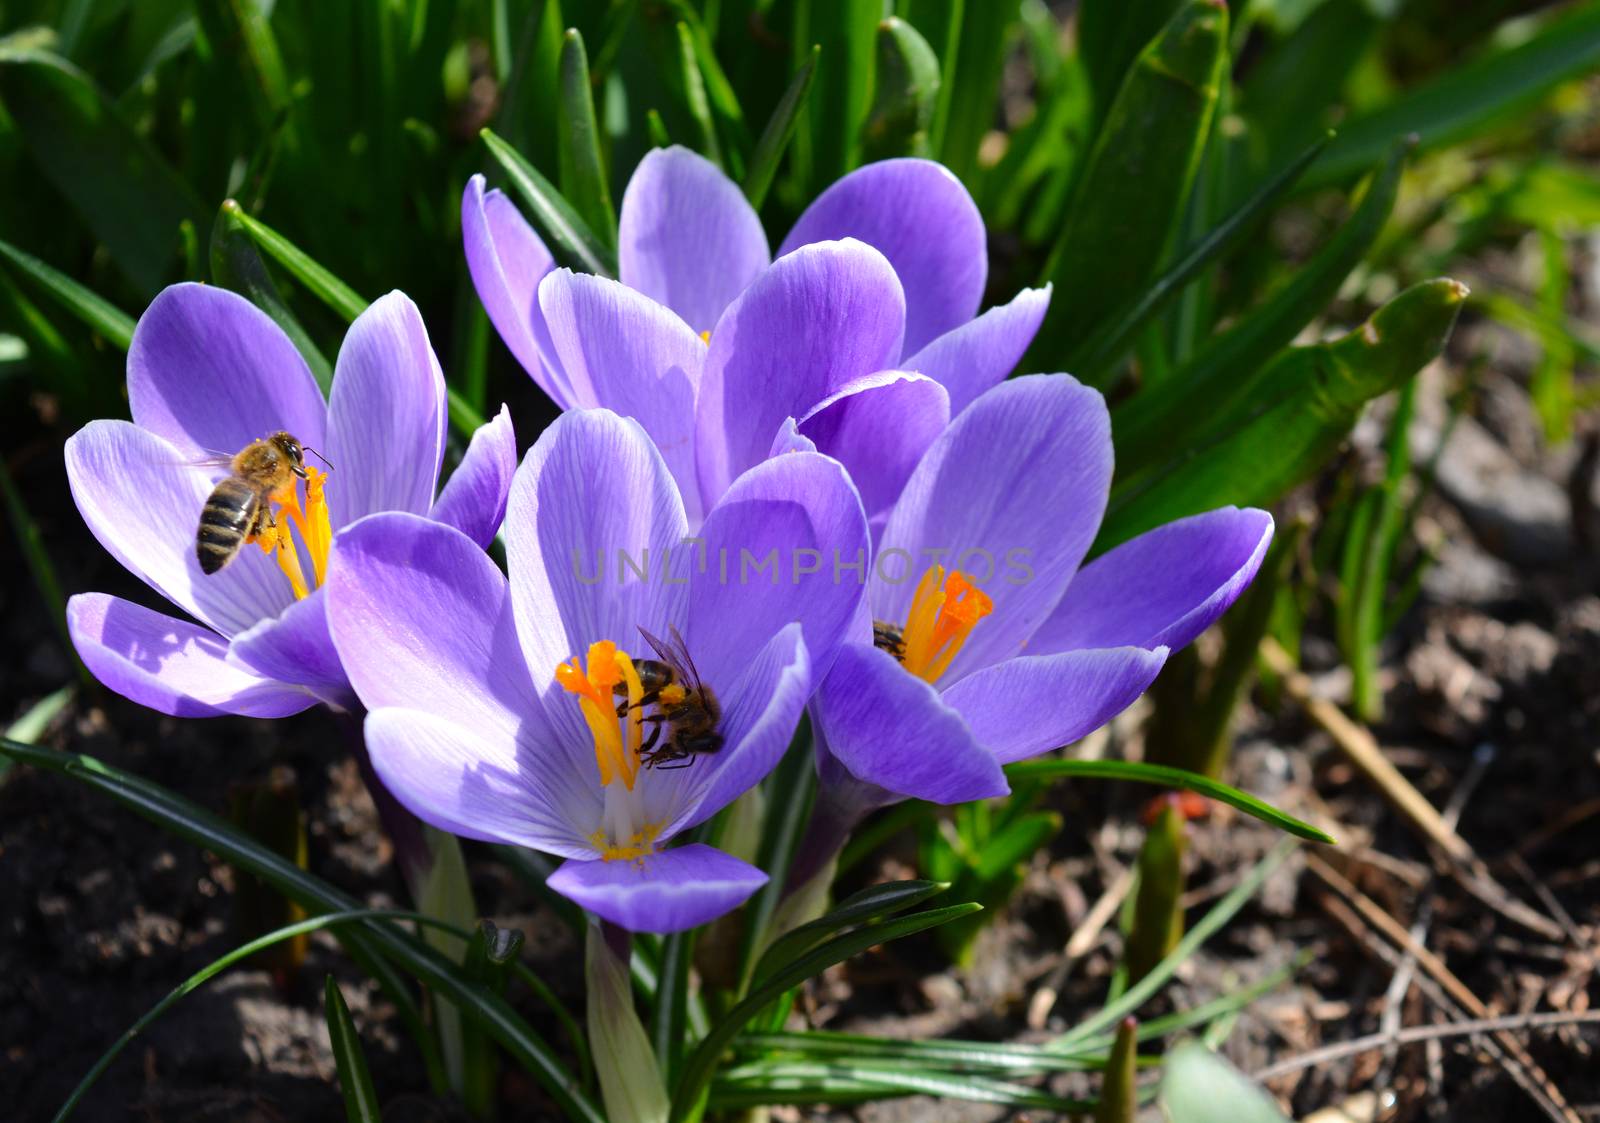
x,y
320,457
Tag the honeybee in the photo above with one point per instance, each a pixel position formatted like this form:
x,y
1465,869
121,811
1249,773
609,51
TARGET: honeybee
x,y
238,509
890,638
685,706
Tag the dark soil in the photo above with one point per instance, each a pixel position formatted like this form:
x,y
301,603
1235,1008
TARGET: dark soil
x,y
1498,663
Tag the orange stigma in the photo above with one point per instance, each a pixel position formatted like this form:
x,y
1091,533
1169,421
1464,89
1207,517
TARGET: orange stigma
x,y
616,754
621,836
944,610
311,521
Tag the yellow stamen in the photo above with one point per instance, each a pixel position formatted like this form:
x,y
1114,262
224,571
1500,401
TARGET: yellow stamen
x,y
640,844
617,745
705,337
944,610
594,690
635,706
315,530
616,758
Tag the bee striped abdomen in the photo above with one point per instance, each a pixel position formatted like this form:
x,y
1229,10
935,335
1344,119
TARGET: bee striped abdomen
x,y
226,521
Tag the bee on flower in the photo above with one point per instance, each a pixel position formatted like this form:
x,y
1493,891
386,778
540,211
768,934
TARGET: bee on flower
x,y
206,496
550,712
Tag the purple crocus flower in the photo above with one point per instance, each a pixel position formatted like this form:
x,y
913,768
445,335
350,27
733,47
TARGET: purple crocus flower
x,y
209,373
493,703
861,337
982,641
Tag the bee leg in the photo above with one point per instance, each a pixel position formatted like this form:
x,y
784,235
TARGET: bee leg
x,y
263,530
647,699
649,745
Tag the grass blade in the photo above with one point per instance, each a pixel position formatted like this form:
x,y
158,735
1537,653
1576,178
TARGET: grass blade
x,y
40,567
907,93
236,265
1135,185
94,311
1111,35
669,1017
695,101
1299,409
1464,98
124,189
583,170
828,144
355,1081
779,131
303,267
1220,374
195,981
972,78
698,1069
190,821
1168,778
796,778
570,237
797,1082
1140,992
873,903
1116,337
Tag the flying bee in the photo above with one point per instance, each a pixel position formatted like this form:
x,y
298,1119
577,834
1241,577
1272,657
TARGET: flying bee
x,y
890,638
238,509
685,706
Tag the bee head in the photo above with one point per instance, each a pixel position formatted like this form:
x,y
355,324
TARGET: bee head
x,y
291,449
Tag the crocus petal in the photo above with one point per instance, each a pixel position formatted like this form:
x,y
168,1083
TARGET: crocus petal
x,y
474,497
507,260
789,439
878,427
980,353
918,214
813,322
1162,588
171,665
1025,706
1012,493
473,785
623,351
776,547
421,619
669,891
592,499
758,718
143,503
386,415
891,729
294,647
686,237
211,372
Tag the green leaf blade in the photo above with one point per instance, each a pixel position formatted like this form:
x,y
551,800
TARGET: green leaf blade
x,y
583,171
1132,192
780,131
556,219
1170,778
91,309
1224,373
187,820
1300,408
126,192
355,1079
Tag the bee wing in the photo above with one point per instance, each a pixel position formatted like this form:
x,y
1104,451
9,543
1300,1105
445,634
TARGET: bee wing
x,y
676,653
688,664
663,652
210,459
